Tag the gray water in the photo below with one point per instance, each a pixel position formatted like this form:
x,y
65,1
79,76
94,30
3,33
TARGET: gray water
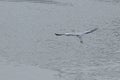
x,y
54,2
27,37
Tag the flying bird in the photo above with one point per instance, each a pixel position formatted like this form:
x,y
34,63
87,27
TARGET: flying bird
x,y
78,35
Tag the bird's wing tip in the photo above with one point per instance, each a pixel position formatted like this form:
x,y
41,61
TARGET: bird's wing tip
x,y
58,34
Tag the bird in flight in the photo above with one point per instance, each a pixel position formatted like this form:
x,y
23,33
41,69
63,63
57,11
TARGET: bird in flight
x,y
78,35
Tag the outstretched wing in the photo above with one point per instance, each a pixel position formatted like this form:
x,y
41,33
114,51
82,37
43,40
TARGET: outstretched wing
x,y
80,38
58,34
91,31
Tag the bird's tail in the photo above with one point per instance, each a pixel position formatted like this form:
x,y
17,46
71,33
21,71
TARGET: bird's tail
x,y
80,38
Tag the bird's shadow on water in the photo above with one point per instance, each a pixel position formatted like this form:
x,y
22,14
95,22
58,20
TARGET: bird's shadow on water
x,y
57,3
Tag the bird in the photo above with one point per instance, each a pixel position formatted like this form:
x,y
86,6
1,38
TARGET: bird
x,y
78,35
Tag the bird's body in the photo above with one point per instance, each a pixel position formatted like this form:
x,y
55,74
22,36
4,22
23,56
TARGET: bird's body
x,y
79,35
68,34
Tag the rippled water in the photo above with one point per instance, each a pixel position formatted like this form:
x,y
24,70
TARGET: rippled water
x,y
27,37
